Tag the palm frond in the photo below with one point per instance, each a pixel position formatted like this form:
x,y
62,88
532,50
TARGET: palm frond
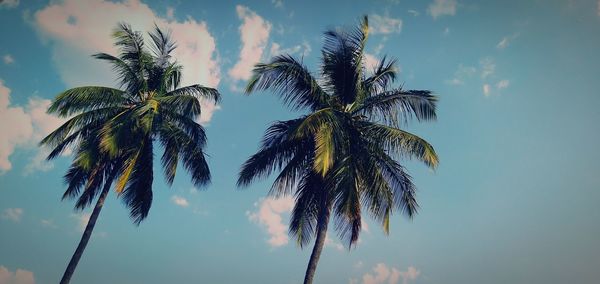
x,y
197,91
389,105
137,195
83,99
291,80
401,143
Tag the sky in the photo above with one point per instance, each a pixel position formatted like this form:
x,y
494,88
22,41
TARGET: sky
x,y
514,200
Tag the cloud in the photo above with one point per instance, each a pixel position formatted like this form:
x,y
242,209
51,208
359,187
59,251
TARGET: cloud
x,y
303,49
269,216
442,7
505,41
82,220
28,125
461,74
502,84
415,13
488,67
254,32
77,28
486,90
384,274
332,243
277,3
384,24
370,61
48,223
20,276
8,59
8,4
13,214
179,201
447,31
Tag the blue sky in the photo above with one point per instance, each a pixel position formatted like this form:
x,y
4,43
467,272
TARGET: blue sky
x,y
514,200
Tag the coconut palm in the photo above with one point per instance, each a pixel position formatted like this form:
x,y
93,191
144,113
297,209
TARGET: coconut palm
x,y
341,157
113,131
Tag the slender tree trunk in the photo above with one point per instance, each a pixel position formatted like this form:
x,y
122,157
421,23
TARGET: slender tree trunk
x,y
86,234
322,224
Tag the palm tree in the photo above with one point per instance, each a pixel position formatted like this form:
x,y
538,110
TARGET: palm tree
x,y
342,156
113,131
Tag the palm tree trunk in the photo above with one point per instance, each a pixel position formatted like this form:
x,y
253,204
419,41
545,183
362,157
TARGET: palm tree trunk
x,y
87,233
322,224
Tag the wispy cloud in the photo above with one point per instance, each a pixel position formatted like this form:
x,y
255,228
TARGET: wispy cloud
x,y
48,223
20,276
505,41
381,274
502,84
254,33
269,216
415,13
461,74
486,89
8,59
384,24
13,214
488,67
442,8
9,4
179,201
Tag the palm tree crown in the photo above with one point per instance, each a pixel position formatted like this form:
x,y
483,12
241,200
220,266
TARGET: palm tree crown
x,y
113,130
342,156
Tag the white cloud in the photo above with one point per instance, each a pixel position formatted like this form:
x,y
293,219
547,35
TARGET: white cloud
x,y
28,125
20,276
277,3
179,201
332,243
488,67
384,24
303,49
82,220
384,274
447,31
8,59
502,84
505,41
48,223
254,32
461,74
269,216
486,89
77,28
442,7
9,4
415,13
13,214
370,61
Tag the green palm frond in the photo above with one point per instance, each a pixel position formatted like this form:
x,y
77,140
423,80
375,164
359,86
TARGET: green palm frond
x,y
137,194
389,105
83,99
197,91
309,197
401,143
291,80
